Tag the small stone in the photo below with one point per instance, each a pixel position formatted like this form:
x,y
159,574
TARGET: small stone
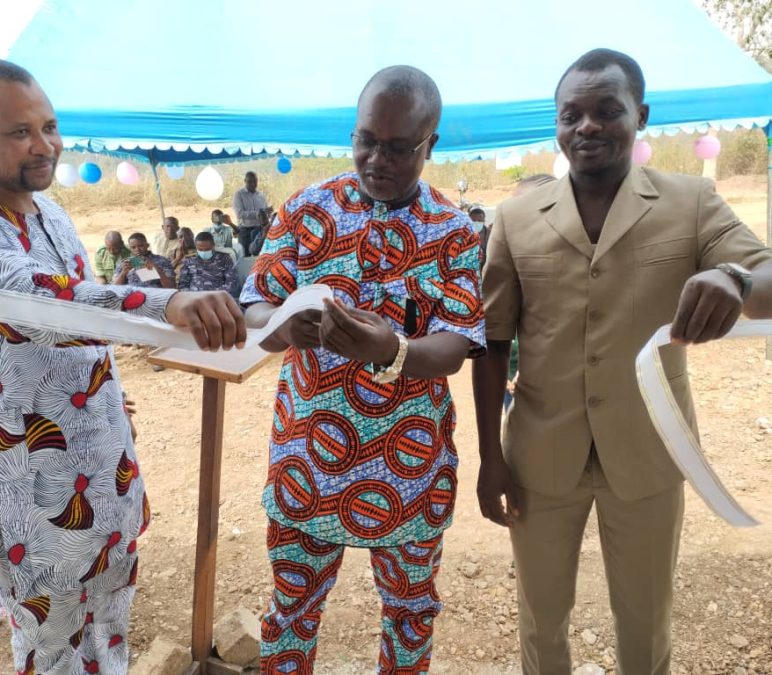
x,y
479,654
763,423
712,607
738,641
589,637
237,637
470,569
740,671
589,669
163,658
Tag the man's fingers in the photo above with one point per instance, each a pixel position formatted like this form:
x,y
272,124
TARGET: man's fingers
x,y
212,326
493,511
729,321
358,314
227,324
333,339
310,316
240,336
513,510
342,320
700,317
686,305
197,329
712,326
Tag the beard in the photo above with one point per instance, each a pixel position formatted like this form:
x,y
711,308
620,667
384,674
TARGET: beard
x,y
30,180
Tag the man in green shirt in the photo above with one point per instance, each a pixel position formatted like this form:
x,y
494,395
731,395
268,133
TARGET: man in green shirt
x,y
108,257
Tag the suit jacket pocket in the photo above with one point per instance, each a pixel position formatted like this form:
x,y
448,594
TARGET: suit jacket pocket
x,y
669,252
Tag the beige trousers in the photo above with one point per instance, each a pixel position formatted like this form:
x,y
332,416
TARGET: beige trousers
x,y
639,540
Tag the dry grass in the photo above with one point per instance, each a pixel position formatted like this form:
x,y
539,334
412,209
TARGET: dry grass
x,y
743,153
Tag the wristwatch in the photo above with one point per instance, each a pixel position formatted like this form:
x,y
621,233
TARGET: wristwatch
x,y
741,275
383,375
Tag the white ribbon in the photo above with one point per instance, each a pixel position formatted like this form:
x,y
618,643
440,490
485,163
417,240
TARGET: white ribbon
x,y
680,442
80,320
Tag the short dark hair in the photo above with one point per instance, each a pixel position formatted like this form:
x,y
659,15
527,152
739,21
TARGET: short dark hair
x,y
139,236
205,236
10,72
173,219
249,174
600,59
217,211
407,81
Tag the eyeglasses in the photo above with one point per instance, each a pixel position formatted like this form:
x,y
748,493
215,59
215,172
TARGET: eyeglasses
x,y
388,150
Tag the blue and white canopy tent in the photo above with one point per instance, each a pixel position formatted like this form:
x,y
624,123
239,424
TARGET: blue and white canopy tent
x,y
164,82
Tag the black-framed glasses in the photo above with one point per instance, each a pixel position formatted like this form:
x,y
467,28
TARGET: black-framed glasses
x,y
388,150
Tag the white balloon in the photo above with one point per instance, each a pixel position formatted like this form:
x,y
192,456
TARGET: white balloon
x,y
67,175
209,184
560,166
175,172
127,173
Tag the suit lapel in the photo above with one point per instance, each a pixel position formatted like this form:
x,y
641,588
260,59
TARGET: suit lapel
x,y
562,215
629,206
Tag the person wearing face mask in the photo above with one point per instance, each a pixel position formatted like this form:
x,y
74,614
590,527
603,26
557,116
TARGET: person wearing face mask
x,y
208,269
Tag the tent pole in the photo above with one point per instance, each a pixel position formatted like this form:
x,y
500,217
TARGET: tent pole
x,y
154,167
769,210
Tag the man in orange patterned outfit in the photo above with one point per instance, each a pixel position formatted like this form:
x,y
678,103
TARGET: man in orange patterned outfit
x,y
362,450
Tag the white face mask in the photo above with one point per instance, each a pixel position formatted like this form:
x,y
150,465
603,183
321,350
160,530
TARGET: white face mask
x,y
205,255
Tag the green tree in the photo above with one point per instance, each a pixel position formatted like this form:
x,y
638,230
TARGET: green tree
x,y
749,22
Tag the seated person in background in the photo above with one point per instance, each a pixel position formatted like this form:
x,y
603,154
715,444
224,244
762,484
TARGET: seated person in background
x,y
167,241
261,232
222,229
209,269
186,249
249,203
109,256
141,264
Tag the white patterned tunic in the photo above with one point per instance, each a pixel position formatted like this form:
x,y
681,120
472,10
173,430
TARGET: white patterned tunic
x,y
72,502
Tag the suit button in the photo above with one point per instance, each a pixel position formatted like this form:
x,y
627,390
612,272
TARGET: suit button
x,y
594,272
593,360
594,401
594,315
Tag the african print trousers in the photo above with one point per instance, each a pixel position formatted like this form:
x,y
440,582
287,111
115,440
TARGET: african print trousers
x,y
82,630
304,572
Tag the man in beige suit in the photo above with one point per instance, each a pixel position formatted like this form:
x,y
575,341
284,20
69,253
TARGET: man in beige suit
x,y
583,271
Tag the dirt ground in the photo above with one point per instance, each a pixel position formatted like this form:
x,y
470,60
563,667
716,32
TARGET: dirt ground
x,y
723,607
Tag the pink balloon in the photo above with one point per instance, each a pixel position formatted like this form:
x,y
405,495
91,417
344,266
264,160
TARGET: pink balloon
x,y
641,152
707,147
127,174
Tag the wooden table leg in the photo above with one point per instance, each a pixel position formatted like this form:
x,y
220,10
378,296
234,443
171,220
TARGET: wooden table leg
x,y
212,413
